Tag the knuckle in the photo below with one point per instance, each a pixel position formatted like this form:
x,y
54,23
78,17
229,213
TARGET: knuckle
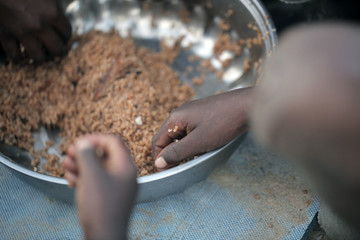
x,y
173,112
153,142
33,26
52,12
174,154
38,58
175,115
153,146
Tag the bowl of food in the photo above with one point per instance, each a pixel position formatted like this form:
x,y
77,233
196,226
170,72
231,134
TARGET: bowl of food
x,y
129,64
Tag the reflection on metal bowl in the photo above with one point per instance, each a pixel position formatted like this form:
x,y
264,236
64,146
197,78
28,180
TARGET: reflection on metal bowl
x,y
148,25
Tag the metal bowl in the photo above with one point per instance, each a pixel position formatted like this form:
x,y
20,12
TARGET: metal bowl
x,y
148,25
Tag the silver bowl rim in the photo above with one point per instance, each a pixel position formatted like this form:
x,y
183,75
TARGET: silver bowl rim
x,y
259,14
141,180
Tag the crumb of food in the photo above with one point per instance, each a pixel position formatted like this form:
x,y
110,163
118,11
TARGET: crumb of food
x,y
229,12
190,69
225,43
53,166
169,53
188,47
146,5
153,21
99,87
226,63
249,43
271,225
139,121
35,162
305,191
206,64
247,64
176,128
223,25
256,196
197,81
176,140
49,143
193,58
307,203
220,74
184,15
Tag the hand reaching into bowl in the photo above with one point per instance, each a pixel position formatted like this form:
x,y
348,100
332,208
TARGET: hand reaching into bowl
x,y
39,26
102,170
201,126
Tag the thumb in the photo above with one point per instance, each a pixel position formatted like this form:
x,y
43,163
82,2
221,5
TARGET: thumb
x,y
89,162
175,152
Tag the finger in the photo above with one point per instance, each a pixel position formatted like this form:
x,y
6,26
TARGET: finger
x,y
71,178
167,134
63,27
162,165
70,165
33,48
119,160
11,48
89,164
187,147
51,41
71,151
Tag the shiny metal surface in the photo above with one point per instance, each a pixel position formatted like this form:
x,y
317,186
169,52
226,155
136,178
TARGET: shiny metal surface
x,y
148,25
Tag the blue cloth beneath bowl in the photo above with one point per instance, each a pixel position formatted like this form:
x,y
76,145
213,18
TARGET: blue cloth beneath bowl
x,y
255,195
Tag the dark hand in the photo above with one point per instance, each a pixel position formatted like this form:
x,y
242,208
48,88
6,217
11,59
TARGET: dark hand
x,y
36,25
201,126
105,186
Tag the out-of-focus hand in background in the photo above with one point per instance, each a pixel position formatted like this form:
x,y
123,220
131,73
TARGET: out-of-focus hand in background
x,y
38,26
307,108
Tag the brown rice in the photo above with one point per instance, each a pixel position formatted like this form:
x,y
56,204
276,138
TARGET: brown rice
x,y
105,85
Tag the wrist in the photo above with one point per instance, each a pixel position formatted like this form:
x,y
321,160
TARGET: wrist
x,y
106,229
115,233
244,100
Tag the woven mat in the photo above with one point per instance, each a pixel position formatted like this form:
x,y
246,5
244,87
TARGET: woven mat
x,y
255,195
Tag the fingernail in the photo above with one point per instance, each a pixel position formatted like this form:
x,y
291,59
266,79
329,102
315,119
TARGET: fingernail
x,y
83,144
160,163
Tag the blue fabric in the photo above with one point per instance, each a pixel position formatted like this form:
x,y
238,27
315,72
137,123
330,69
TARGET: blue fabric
x,y
253,196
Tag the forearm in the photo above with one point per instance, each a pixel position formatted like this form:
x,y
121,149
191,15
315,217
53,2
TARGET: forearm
x,y
240,102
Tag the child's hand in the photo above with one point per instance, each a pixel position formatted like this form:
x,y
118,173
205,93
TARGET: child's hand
x,y
36,24
101,169
201,126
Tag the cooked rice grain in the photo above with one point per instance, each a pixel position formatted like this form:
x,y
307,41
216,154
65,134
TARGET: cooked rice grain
x,y
102,86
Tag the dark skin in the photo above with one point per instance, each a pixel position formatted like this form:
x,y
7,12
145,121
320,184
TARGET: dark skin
x,y
40,26
105,186
308,110
201,126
